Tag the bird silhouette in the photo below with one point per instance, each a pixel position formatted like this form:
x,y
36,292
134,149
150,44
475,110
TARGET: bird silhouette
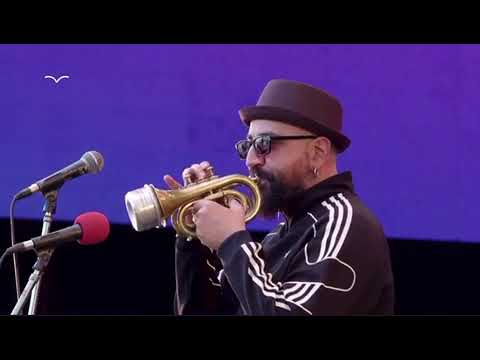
x,y
57,80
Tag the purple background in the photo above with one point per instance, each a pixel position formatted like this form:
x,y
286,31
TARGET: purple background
x,y
410,110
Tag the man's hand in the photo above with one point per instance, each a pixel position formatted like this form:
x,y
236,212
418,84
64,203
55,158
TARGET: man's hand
x,y
214,222
195,172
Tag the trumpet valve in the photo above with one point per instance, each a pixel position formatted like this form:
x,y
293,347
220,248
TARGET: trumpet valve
x,y
188,179
209,171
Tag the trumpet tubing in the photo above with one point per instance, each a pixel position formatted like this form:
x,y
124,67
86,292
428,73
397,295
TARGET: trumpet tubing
x,y
150,207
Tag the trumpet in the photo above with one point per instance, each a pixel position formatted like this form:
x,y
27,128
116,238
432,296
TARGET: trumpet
x,y
150,207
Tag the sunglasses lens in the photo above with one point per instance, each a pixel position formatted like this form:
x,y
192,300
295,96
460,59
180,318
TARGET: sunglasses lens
x,y
262,145
242,148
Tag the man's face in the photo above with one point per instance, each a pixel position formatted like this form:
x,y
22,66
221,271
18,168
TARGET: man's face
x,y
283,170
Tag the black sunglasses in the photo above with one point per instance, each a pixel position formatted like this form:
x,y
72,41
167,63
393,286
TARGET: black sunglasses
x,y
263,143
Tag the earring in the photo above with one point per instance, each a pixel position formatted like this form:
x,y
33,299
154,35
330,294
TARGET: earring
x,y
315,172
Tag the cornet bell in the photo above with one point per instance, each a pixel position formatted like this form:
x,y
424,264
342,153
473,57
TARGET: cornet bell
x,y
143,208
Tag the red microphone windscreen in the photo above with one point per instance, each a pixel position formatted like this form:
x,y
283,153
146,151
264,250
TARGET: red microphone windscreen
x,y
95,227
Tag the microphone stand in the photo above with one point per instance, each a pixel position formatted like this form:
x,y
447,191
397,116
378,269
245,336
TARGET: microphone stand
x,y
43,257
32,284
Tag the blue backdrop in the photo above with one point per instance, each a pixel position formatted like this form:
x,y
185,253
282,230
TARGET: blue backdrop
x,y
410,110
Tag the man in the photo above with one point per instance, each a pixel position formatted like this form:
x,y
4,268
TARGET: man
x,y
330,256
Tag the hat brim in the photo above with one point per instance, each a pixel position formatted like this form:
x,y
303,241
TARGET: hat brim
x,y
274,113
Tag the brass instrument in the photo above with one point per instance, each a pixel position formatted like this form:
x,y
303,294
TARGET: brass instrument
x,y
149,207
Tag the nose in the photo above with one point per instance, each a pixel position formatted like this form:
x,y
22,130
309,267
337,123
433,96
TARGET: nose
x,y
253,159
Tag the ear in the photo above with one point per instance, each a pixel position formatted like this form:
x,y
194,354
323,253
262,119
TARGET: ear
x,y
320,149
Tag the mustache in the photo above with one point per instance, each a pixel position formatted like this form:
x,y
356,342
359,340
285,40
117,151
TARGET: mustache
x,y
263,175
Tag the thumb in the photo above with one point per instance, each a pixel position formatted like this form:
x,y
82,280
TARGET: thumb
x,y
236,206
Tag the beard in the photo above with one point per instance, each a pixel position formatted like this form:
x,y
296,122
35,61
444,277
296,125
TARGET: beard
x,y
277,194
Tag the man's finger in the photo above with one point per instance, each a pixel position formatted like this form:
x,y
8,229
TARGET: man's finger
x,y
204,164
197,205
236,205
171,182
198,171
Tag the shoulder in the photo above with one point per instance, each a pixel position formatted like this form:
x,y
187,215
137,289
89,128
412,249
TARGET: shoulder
x,y
349,209
344,220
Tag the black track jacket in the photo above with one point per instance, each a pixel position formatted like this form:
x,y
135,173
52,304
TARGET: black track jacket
x,y
332,259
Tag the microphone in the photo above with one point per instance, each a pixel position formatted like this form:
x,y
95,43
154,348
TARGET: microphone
x,y
90,228
90,162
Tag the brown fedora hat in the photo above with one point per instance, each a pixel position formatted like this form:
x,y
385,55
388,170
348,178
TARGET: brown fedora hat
x,y
300,105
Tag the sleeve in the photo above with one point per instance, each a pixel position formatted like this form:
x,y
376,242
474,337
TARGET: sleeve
x,y
314,284
197,288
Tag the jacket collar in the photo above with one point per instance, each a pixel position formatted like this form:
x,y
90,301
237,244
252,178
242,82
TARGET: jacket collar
x,y
341,182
